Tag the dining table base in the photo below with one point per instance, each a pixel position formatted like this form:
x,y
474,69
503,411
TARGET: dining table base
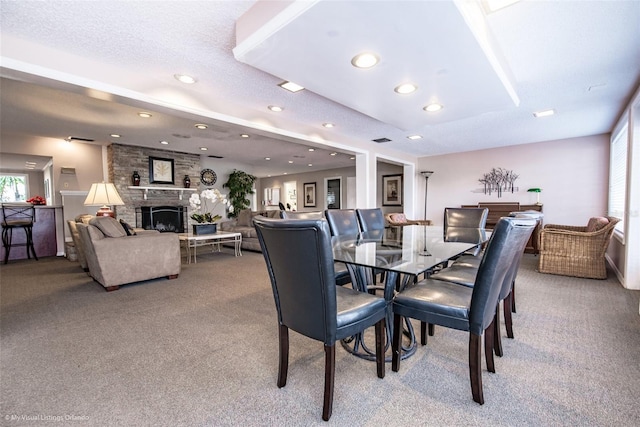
x,y
361,277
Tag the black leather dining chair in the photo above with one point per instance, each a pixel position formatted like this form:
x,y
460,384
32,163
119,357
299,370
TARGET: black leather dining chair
x,y
299,260
343,277
370,219
460,307
464,273
18,216
342,221
456,220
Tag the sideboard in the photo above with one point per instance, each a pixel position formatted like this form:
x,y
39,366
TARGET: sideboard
x,y
499,209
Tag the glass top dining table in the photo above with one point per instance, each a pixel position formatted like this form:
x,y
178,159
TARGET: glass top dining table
x,y
402,253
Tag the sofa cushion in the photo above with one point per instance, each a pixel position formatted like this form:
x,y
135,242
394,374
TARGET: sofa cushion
x,y
245,218
246,232
109,226
84,218
597,223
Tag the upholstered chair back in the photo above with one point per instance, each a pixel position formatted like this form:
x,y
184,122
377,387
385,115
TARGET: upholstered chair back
x,y
370,219
342,221
465,217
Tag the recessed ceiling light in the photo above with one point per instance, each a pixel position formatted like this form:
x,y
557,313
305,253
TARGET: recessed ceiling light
x,y
312,149
115,135
185,78
405,88
203,148
144,114
201,126
544,113
30,163
414,137
328,125
352,158
290,161
267,158
164,142
432,108
333,154
291,87
310,164
365,60
244,135
275,108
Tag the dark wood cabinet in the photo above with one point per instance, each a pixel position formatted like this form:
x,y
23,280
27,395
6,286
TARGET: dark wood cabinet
x,y
499,209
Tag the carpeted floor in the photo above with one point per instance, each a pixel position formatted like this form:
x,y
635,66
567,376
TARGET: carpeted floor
x,y
202,350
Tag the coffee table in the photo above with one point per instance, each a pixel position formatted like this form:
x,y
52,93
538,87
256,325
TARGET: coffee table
x,y
194,241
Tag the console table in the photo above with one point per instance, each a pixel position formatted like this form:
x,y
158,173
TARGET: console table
x,y
499,209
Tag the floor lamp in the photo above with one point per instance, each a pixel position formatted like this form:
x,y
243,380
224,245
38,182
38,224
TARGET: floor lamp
x,y
426,175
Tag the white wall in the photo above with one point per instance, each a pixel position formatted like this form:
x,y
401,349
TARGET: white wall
x,y
572,173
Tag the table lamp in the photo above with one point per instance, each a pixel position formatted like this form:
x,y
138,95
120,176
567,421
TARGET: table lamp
x,y
103,194
537,191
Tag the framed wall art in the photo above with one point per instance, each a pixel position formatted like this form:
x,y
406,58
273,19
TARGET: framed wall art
x,y
160,170
309,194
392,190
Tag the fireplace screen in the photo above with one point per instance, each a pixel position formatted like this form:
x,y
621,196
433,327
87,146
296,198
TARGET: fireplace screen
x,y
170,219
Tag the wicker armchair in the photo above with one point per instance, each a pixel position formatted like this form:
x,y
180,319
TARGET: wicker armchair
x,y
576,251
400,220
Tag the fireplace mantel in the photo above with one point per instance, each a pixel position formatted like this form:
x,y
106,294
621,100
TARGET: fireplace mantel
x,y
146,190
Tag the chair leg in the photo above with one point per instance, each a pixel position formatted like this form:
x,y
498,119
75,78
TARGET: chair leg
x,y
6,242
283,367
395,345
488,347
423,332
475,370
29,232
380,344
508,322
513,297
497,339
329,379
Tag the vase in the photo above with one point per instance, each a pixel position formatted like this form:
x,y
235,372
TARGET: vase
x,y
135,178
187,181
208,228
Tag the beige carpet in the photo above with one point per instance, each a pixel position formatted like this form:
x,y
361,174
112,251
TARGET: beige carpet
x,y
201,350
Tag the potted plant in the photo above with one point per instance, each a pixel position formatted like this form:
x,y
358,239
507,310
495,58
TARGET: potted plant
x,y
203,204
239,184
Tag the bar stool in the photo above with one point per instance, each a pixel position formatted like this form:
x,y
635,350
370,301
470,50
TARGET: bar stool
x,y
18,216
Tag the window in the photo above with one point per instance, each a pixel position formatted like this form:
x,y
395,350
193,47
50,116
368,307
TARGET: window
x,y
13,187
618,176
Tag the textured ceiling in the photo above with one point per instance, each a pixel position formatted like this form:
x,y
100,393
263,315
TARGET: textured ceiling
x,y
581,58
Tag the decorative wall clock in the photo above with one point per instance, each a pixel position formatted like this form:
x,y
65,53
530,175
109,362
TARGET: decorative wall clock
x,y
208,177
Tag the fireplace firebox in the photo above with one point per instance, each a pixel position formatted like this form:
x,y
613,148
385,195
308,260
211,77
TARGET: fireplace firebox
x,y
166,219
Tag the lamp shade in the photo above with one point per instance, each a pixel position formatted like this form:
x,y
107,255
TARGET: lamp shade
x,y
103,194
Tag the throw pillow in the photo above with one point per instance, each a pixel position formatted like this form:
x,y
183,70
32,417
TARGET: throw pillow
x,y
110,227
398,217
597,223
244,218
127,228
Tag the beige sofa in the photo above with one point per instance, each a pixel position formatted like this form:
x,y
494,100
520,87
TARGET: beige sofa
x,y
114,259
243,224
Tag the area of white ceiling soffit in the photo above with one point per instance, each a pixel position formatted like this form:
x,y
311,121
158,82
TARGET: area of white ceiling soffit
x,y
430,44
